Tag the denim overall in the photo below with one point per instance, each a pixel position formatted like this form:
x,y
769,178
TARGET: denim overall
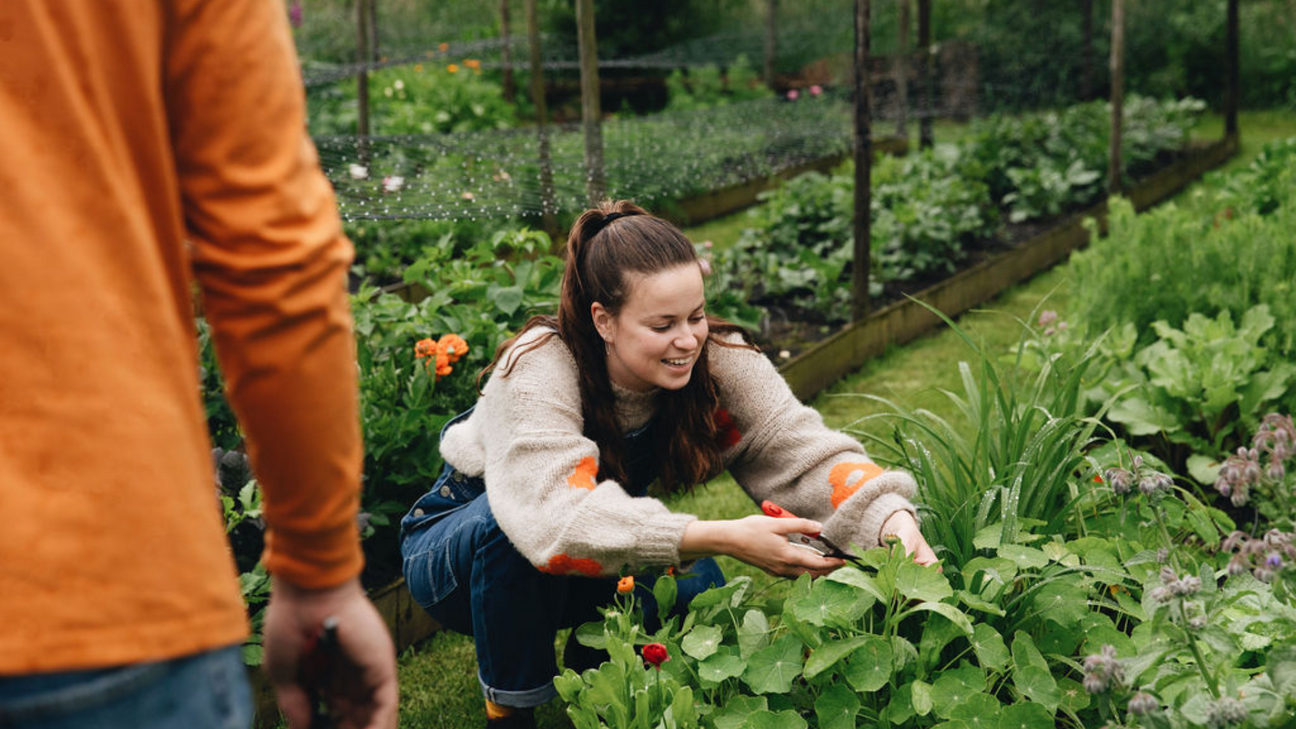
x,y
462,569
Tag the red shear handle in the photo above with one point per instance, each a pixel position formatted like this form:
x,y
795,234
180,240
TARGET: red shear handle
x,y
772,509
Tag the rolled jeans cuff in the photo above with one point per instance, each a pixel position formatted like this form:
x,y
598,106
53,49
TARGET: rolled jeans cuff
x,y
527,699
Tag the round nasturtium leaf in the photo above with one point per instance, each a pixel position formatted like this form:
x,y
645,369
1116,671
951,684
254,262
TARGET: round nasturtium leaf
x,y
869,666
836,707
954,688
980,711
771,720
702,641
1038,685
1026,715
721,666
772,669
989,647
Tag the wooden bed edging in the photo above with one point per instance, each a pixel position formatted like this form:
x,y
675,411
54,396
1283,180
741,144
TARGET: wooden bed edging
x,y
847,350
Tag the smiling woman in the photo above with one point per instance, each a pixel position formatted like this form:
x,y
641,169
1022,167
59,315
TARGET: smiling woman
x,y
544,498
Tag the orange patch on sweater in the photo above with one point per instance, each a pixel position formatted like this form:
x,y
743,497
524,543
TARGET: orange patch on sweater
x,y
727,433
561,564
843,486
585,474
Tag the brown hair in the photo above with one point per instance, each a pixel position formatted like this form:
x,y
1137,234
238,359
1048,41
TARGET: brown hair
x,y
606,244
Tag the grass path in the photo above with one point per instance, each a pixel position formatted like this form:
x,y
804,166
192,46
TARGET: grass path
x,y
438,677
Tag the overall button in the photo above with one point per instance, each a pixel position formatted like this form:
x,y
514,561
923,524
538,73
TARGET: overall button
x,y
457,477
445,490
418,512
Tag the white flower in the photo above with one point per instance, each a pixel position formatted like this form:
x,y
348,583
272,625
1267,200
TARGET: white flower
x,y
399,84
784,354
359,172
393,183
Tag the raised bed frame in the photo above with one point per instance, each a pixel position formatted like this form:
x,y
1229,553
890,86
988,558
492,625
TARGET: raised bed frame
x,y
846,351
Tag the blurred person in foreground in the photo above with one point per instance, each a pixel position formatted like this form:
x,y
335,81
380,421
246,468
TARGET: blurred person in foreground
x,y
149,145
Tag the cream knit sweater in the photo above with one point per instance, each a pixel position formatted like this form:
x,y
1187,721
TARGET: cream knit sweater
x,y
525,438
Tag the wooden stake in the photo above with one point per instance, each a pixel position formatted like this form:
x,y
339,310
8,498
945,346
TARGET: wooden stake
x,y
925,135
591,116
771,40
863,166
902,70
1086,50
1233,88
1114,167
506,53
548,212
363,56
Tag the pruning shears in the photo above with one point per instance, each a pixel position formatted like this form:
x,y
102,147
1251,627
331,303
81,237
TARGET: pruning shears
x,y
816,540
318,662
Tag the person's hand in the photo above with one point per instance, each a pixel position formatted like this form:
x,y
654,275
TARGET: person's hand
x,y
760,541
903,525
360,690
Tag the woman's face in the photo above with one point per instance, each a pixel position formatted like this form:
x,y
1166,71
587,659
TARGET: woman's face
x,y
656,338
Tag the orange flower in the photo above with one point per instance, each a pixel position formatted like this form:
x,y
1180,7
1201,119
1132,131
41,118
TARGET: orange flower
x,y
418,68
625,585
425,348
443,47
443,367
671,570
452,346
473,63
453,68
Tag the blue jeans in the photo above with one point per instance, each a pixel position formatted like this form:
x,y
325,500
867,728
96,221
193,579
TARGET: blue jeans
x,y
204,691
463,570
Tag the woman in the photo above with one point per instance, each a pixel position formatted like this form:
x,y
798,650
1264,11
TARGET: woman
x,y
546,477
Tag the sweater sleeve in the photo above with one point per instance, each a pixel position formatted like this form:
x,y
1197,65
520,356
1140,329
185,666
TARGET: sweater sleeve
x,y
541,477
781,450
271,260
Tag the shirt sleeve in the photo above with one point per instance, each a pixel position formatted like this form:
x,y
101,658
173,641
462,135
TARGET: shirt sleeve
x,y
781,450
270,258
541,477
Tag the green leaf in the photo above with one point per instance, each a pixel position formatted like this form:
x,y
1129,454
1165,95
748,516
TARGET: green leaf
x,y
772,669
771,720
827,655
1281,667
829,603
989,647
1204,468
1025,653
1025,715
977,603
869,667
753,634
955,688
927,584
702,641
955,615
1027,558
664,592
736,709
1060,602
506,298
836,708
978,710
856,578
1072,694
1142,418
922,697
721,666
1038,685
900,709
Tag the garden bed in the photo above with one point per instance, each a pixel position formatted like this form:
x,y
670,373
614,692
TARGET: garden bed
x,y
848,348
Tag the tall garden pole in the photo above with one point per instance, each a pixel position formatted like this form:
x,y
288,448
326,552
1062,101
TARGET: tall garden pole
x,y
373,31
1233,90
595,184
1086,50
902,71
363,56
1117,95
506,53
925,136
771,40
863,165
548,212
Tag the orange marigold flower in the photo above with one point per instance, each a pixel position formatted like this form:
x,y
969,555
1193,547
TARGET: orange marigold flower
x,y
443,46
452,346
625,585
472,63
672,571
425,348
443,367
453,68
418,68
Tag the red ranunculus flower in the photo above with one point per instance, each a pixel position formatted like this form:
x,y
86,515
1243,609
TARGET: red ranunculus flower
x,y
655,653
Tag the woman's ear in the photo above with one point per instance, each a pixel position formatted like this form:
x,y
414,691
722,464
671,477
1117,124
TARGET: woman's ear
x,y
602,321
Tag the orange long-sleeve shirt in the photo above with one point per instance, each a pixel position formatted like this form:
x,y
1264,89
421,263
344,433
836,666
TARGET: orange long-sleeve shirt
x,y
146,144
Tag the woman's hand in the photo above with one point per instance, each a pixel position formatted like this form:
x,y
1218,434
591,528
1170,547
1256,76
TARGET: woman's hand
x,y
903,525
760,541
